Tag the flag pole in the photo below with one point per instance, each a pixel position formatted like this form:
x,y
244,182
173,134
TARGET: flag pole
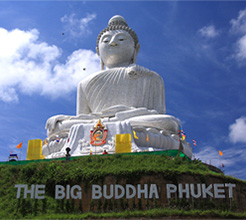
x,y
20,153
20,146
219,160
220,155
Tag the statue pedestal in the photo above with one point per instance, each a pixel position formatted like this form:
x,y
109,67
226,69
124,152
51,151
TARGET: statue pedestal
x,y
81,135
79,139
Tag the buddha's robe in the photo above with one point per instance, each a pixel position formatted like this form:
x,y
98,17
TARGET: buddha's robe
x,y
132,93
120,89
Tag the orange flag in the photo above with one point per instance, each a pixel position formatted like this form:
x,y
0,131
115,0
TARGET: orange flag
x,y
19,145
147,139
220,152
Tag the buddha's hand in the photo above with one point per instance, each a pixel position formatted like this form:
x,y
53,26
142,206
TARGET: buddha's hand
x,y
51,122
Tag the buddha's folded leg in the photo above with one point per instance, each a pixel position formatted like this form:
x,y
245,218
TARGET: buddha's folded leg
x,y
58,137
162,122
62,127
61,124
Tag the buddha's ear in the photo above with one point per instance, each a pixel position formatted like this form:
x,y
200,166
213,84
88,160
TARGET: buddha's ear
x,y
97,50
136,53
137,47
102,64
101,61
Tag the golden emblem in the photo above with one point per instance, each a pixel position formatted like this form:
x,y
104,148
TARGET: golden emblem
x,y
98,134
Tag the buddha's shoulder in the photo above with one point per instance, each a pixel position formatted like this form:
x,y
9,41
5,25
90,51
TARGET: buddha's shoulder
x,y
132,71
90,77
137,70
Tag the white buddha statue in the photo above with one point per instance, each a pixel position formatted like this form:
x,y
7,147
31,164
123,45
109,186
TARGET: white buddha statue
x,y
124,91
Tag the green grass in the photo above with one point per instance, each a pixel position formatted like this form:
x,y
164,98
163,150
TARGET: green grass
x,y
89,170
153,213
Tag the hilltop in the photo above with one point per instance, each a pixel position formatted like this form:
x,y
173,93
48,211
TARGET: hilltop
x,y
94,169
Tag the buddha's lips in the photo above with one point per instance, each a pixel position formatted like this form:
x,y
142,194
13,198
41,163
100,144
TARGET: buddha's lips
x,y
114,47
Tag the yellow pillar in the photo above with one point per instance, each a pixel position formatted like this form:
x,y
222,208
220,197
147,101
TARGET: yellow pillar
x,y
123,143
34,151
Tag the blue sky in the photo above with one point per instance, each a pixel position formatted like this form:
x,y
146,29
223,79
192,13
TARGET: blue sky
x,y
199,48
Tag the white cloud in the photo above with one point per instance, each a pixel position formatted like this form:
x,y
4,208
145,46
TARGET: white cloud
x,y
238,130
241,49
231,158
30,66
209,31
211,156
238,26
77,28
8,95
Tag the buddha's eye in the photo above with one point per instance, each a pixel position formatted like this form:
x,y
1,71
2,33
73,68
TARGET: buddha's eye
x,y
121,39
106,40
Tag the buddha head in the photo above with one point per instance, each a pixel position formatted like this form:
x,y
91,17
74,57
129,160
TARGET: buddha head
x,y
117,44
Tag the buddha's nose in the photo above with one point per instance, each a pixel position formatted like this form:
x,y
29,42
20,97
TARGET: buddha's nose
x,y
113,42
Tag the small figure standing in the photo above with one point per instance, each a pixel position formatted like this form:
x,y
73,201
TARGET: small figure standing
x,y
105,152
68,155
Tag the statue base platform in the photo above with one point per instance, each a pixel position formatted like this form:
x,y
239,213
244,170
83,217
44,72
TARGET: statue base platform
x,y
80,140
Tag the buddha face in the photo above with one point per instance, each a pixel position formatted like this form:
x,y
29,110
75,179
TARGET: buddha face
x,y
116,48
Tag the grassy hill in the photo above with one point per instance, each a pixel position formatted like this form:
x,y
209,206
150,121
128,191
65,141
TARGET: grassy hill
x,y
93,169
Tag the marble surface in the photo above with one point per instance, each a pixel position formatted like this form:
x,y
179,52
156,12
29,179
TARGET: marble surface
x,y
125,96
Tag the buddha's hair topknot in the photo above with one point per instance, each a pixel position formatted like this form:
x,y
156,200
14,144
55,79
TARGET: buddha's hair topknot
x,y
117,23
